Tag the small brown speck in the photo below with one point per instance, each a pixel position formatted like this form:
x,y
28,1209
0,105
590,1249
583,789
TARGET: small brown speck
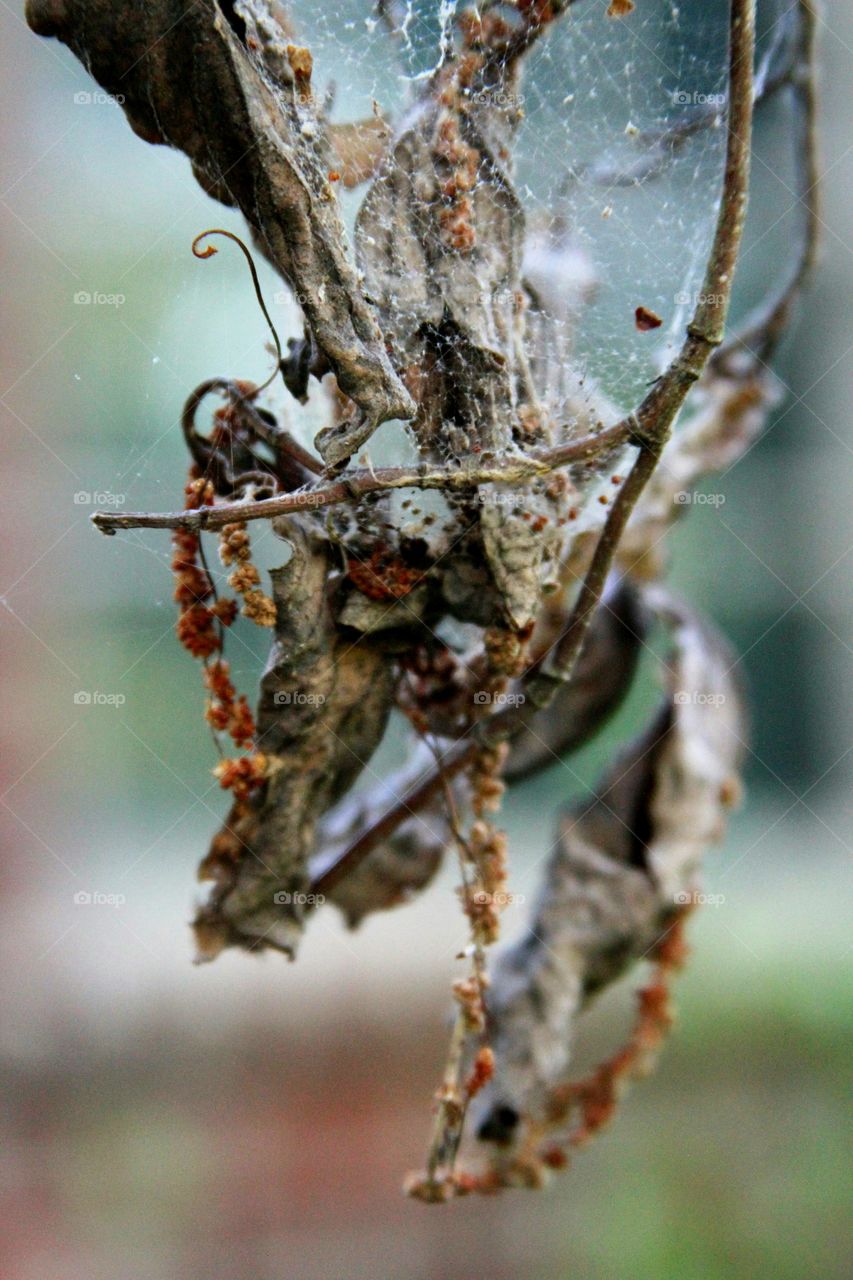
x,y
645,319
301,62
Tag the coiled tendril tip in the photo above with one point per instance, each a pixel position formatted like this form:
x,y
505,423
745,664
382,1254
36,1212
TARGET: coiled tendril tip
x,y
208,252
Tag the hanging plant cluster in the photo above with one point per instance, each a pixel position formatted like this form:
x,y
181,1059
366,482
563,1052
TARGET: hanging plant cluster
x,y
505,621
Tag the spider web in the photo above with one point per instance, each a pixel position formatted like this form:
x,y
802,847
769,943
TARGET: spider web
x,y
617,163
618,159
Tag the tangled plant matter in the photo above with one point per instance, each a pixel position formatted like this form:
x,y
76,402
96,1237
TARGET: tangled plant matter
x,y
506,621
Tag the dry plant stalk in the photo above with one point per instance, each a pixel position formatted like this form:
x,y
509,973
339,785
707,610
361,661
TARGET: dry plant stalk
x,y
432,321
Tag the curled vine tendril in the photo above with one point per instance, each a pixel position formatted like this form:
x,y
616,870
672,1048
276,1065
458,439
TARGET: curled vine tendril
x,y
209,252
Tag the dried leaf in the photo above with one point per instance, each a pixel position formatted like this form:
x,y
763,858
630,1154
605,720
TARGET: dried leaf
x,y
622,869
323,709
358,148
445,173
440,238
370,616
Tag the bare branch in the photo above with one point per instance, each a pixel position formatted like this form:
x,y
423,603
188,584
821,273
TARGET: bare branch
x,y
358,483
761,332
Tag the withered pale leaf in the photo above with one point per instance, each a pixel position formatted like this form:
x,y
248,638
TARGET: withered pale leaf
x,y
440,238
623,866
416,267
358,148
371,616
522,543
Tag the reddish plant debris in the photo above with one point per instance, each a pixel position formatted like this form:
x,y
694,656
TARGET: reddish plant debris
x,y
595,1098
235,548
481,1072
226,712
645,319
383,576
242,775
302,64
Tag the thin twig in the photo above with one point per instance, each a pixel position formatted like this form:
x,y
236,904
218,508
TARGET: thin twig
x,y
364,480
453,1103
762,330
208,457
209,252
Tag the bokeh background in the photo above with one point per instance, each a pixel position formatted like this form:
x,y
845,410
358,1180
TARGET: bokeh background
x,y
253,1118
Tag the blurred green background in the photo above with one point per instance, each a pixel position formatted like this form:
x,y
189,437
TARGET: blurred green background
x,y
253,1118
